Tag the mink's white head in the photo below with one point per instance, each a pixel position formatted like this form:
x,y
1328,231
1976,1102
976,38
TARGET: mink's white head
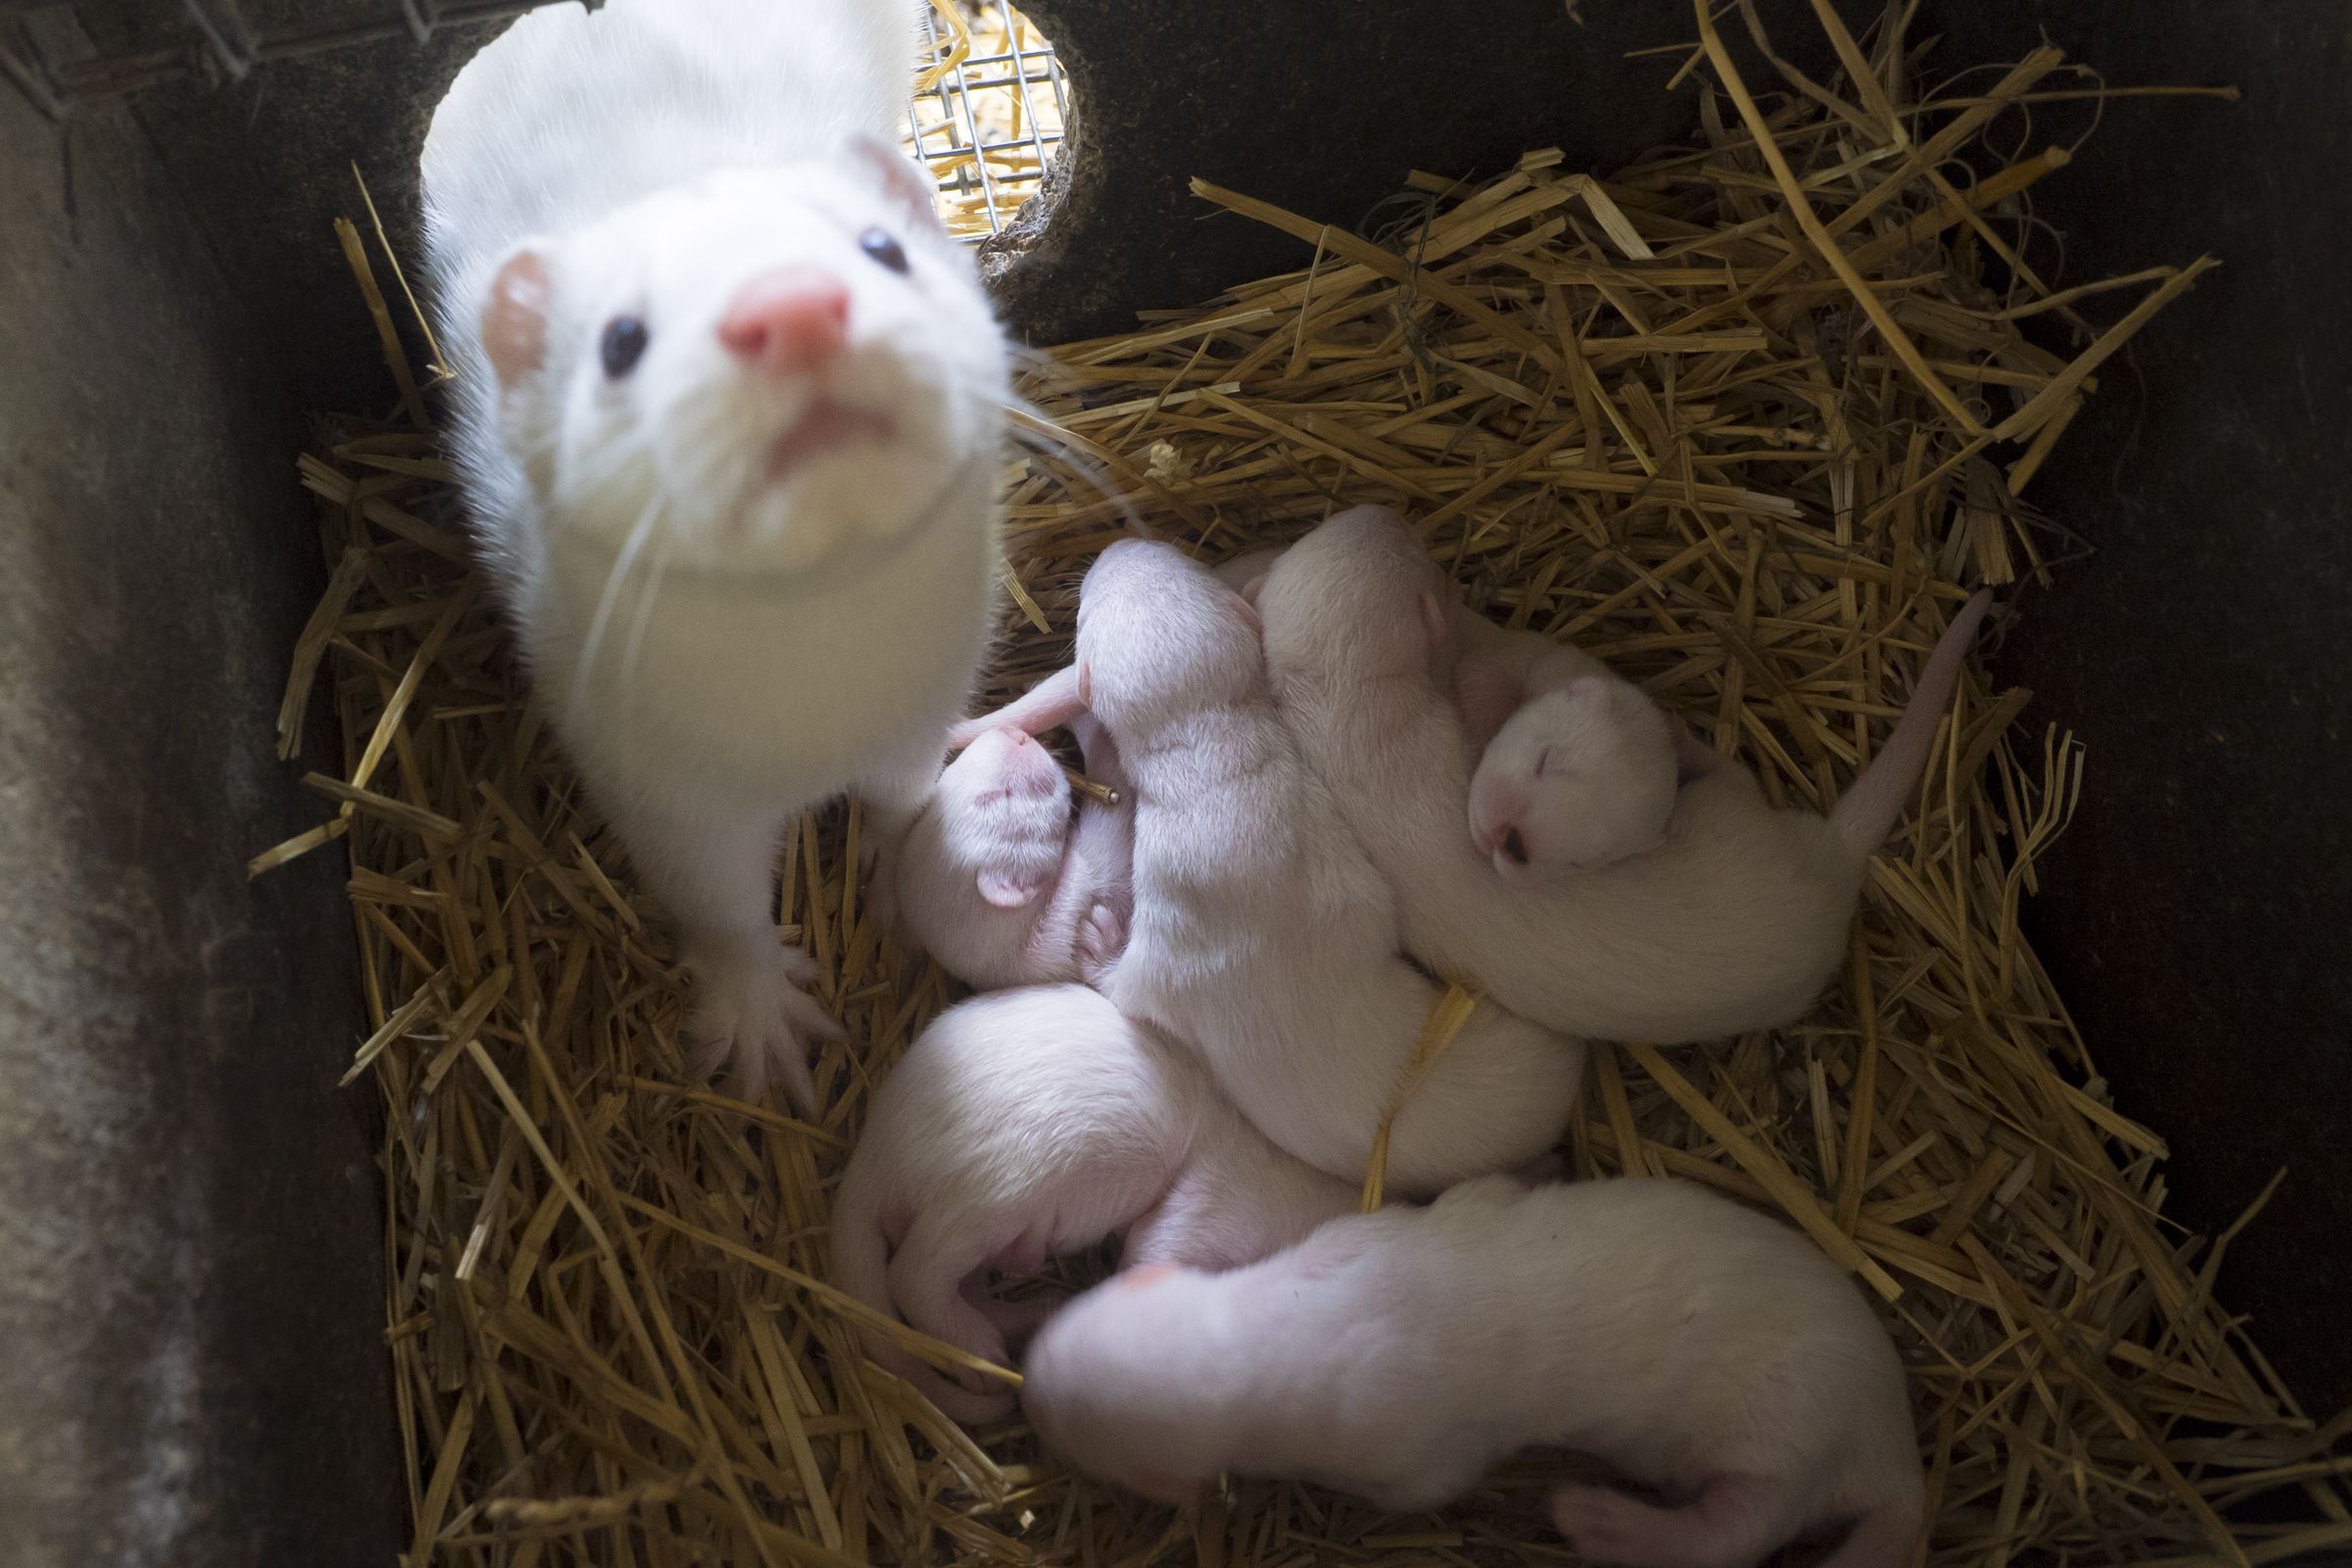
x,y
1125,1385
758,371
979,868
1575,778
1160,637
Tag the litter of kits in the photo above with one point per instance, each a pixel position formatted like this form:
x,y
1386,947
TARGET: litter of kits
x,y
1544,855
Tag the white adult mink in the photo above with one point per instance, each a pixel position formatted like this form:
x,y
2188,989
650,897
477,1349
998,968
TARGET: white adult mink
x,y
1025,1124
1694,1346
1261,936
728,406
1733,922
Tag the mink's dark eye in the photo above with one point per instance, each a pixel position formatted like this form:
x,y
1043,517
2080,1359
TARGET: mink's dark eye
x,y
878,244
623,345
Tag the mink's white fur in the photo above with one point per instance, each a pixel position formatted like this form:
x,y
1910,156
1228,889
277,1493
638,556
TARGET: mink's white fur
x,y
742,585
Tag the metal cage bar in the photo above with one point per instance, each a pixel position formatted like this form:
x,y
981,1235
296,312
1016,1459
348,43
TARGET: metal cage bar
x,y
985,174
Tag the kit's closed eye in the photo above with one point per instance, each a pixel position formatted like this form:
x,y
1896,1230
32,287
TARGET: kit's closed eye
x,y
623,345
1543,761
879,244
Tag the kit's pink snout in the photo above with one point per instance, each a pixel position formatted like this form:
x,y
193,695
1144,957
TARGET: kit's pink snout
x,y
1498,811
1037,765
1510,847
1021,761
794,319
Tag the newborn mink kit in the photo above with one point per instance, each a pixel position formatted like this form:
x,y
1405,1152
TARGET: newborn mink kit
x,y
1688,516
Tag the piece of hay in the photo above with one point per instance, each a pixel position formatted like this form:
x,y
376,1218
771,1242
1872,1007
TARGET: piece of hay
x,y
1650,412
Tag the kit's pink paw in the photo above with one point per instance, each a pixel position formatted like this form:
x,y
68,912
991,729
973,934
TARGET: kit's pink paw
x,y
1606,1526
1101,939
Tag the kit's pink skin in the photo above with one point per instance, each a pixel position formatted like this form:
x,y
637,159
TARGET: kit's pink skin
x,y
1733,923
1055,703
1694,1346
1024,1124
1575,766
1052,704
1236,1200
1491,670
996,882
1260,935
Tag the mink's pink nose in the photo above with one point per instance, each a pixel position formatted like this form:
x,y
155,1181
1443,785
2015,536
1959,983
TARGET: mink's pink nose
x,y
792,319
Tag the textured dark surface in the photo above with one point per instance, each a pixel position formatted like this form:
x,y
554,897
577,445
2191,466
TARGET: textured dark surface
x,y
191,1252
267,165
1322,107
2197,917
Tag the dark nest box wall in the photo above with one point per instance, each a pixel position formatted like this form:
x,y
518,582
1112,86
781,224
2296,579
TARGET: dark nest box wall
x,y
189,1231
2197,916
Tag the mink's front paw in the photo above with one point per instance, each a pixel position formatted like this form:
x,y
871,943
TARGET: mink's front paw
x,y
752,1022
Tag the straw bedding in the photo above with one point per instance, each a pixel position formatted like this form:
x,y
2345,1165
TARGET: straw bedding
x,y
1746,421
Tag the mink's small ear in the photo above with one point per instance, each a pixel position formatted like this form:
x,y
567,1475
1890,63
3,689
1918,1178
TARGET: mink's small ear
x,y
515,316
908,185
1086,687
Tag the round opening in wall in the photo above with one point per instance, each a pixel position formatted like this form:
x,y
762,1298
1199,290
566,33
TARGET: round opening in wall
x,y
988,113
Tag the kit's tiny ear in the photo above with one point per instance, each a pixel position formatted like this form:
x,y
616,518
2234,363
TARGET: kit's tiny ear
x,y
1008,890
907,184
514,316
1433,620
1249,598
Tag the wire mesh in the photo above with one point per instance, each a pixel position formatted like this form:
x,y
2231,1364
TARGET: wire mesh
x,y
986,126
